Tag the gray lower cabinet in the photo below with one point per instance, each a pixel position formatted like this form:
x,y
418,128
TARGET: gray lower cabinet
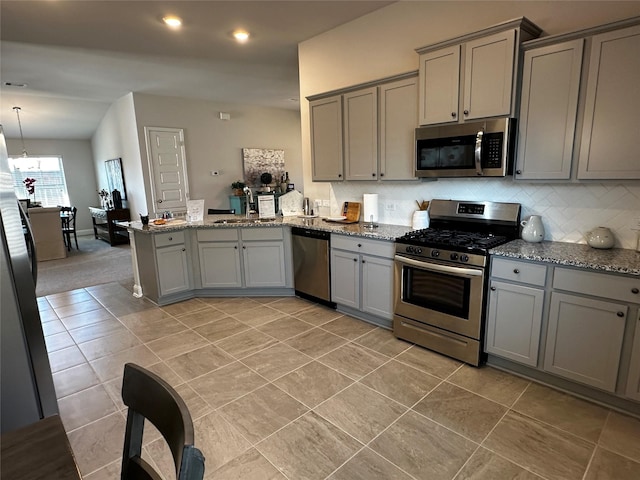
x,y
633,379
513,322
515,308
362,275
584,340
245,257
577,324
173,270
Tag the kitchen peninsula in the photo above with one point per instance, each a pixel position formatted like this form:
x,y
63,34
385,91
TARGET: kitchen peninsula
x,y
226,255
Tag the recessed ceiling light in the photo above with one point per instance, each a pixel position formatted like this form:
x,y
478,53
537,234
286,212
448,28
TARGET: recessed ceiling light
x,y
172,21
241,35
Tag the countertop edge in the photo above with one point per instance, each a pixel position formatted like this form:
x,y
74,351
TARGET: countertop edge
x,y
614,260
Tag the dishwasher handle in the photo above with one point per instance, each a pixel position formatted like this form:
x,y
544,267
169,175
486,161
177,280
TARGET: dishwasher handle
x,y
307,232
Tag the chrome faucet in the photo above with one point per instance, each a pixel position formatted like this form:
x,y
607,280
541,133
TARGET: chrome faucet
x,y
249,200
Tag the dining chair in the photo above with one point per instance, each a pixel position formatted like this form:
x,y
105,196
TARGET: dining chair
x,y
69,225
149,397
214,211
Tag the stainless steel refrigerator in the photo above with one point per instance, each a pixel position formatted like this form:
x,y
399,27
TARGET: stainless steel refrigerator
x,y
26,384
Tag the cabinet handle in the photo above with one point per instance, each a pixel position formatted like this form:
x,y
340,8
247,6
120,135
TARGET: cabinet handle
x,y
355,259
339,175
159,200
362,261
359,245
453,114
170,239
516,271
620,314
236,247
518,172
382,174
635,291
184,249
244,248
466,112
373,174
493,289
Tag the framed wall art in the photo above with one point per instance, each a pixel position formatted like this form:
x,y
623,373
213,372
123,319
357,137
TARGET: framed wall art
x,y
260,161
115,177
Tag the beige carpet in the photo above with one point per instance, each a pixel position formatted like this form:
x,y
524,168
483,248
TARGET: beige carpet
x,y
94,263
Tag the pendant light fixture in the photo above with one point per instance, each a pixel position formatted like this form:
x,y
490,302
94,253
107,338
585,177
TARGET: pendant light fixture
x,y
24,150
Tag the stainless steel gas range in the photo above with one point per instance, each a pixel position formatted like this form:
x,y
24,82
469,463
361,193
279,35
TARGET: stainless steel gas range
x,y
440,275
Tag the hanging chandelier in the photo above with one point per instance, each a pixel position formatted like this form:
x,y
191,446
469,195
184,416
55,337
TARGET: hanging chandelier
x,y
24,150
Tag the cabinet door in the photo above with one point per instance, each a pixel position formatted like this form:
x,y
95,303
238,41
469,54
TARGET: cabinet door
x,y
548,107
220,264
513,322
264,264
345,278
633,380
609,147
488,77
173,270
377,286
361,134
584,340
398,120
326,139
439,86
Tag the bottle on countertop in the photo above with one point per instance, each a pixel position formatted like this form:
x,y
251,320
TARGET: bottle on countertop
x,y
285,182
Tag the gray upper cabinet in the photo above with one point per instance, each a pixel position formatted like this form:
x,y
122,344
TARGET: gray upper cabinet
x,y
398,118
439,86
326,138
473,76
612,107
580,105
361,134
548,109
370,126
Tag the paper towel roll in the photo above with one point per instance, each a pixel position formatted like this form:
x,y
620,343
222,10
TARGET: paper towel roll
x,y
370,207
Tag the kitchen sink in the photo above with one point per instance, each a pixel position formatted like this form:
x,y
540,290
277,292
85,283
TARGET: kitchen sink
x,y
245,220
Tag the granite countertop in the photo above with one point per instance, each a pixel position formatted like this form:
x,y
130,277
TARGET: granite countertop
x,y
616,260
382,232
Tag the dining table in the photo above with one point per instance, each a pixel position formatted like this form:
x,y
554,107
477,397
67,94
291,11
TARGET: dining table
x,y
38,451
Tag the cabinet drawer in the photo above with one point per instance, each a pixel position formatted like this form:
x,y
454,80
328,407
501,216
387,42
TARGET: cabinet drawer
x,y
516,271
379,248
217,235
625,289
169,238
260,233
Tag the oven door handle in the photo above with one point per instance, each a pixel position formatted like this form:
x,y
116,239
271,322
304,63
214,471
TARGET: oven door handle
x,y
466,272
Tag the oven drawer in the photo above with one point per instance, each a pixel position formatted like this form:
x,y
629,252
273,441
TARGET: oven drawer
x,y
517,271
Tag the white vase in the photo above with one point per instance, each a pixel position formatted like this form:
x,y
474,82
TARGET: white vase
x,y
420,219
532,229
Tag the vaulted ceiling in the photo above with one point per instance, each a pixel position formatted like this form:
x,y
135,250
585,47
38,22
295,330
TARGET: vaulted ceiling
x,y
77,57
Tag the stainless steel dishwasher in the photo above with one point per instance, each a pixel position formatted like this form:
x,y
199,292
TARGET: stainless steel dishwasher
x,y
311,264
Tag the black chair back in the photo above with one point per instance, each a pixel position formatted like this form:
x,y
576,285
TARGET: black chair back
x,y
149,397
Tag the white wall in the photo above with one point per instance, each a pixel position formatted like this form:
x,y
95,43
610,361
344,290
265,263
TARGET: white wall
x,y
383,44
116,137
77,161
214,144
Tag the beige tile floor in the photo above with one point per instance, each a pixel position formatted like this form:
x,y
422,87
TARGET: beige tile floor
x,y
280,388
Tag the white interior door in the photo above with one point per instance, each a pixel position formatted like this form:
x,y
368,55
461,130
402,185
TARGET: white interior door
x,y
167,168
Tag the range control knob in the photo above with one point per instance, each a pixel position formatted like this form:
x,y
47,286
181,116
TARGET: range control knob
x,y
409,249
453,256
418,250
435,253
464,258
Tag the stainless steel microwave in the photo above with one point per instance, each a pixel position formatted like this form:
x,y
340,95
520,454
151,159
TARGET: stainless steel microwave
x,y
469,149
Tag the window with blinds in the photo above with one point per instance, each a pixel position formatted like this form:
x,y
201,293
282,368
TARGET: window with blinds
x,y
50,185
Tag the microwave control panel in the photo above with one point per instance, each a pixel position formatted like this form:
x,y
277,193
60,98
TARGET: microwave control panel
x,y
492,150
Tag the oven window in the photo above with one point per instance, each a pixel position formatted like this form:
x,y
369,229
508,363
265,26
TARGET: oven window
x,y
444,293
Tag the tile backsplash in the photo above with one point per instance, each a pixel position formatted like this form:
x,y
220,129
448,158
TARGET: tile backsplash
x,y
568,210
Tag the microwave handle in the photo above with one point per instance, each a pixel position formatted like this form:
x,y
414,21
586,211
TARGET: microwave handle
x,y
478,153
